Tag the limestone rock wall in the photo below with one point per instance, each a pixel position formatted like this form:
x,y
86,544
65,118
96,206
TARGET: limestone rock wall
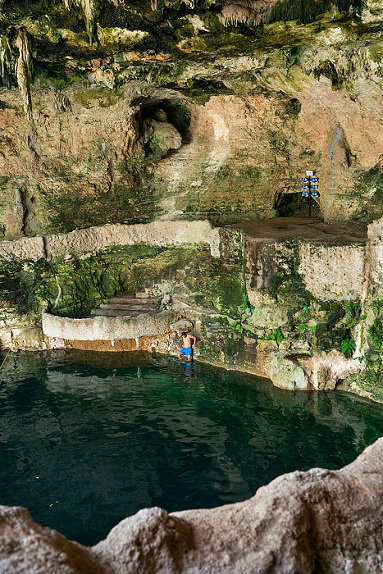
x,y
328,272
242,159
89,241
312,314
334,273
319,520
304,314
108,328
174,112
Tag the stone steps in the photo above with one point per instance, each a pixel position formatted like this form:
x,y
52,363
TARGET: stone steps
x,y
145,300
125,306
132,302
128,306
120,312
156,288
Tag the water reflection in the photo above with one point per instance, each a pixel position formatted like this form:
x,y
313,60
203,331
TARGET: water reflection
x,y
86,440
188,370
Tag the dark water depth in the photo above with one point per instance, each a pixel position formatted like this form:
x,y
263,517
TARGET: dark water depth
x,y
87,440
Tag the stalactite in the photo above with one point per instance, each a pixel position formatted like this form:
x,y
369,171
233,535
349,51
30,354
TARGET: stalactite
x,y
90,11
6,62
237,11
24,70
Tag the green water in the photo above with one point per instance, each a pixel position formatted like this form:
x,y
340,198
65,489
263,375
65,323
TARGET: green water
x,y
86,440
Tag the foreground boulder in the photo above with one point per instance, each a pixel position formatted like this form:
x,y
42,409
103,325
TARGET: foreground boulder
x,y
27,547
302,522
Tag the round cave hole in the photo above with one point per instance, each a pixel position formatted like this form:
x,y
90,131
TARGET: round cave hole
x,y
164,126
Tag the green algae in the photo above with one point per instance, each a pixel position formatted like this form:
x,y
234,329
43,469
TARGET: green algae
x,y
20,281
368,189
105,97
73,287
368,382
219,282
86,283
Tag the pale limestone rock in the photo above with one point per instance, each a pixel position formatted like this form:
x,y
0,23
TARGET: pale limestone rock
x,y
375,229
162,137
101,328
373,11
24,248
286,374
83,242
28,548
332,36
28,338
151,541
270,317
197,23
120,37
105,77
234,12
328,369
93,239
182,325
333,272
316,521
5,337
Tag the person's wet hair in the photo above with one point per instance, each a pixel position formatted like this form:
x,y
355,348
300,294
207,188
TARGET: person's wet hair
x,y
184,334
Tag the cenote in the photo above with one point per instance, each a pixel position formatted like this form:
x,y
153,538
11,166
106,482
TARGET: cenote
x,y
88,439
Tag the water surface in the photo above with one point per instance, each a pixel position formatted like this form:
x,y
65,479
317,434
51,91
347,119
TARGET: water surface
x,y
88,439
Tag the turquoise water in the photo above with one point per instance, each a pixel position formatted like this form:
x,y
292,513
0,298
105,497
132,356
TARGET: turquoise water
x,y
86,440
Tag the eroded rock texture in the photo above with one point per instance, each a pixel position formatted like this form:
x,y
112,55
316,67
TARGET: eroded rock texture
x,y
130,111
316,521
27,547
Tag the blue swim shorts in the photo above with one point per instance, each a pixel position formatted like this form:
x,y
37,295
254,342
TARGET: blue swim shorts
x,y
186,351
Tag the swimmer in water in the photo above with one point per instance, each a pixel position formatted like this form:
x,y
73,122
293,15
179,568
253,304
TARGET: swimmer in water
x,y
188,345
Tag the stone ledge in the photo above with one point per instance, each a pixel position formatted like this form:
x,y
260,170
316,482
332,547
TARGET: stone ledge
x,y
24,248
94,239
102,328
162,233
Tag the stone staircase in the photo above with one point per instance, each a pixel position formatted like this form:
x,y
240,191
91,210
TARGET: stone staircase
x,y
143,320
156,288
145,300
126,306
152,297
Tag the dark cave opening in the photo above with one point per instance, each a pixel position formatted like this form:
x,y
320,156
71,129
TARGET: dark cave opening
x,y
164,126
294,205
172,111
